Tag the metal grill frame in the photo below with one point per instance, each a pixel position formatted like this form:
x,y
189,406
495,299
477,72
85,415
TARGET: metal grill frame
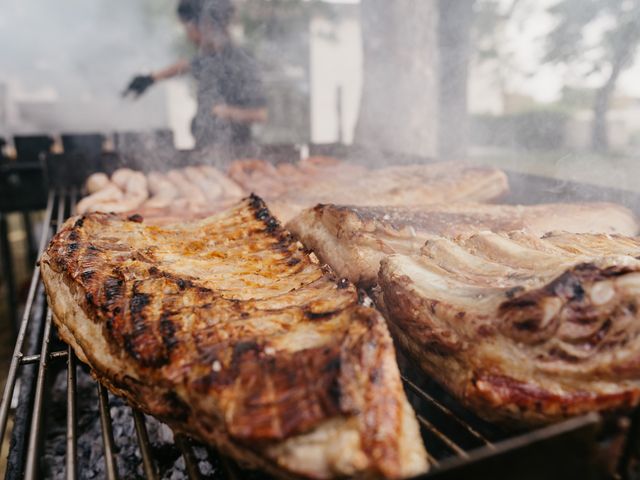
x,y
496,451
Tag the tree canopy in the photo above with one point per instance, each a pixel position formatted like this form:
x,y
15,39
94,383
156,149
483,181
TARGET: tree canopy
x,y
601,36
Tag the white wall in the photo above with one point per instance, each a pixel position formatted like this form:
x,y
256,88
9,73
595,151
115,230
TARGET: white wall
x,y
336,61
181,108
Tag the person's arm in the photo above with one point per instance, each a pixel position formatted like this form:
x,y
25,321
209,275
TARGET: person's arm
x,y
240,114
140,83
178,68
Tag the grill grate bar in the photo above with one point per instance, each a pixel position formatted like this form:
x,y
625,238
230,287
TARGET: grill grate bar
x,y
10,384
446,440
429,398
145,447
29,359
31,468
189,460
107,434
72,417
432,460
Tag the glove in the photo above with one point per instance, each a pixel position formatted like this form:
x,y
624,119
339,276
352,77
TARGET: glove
x,y
138,85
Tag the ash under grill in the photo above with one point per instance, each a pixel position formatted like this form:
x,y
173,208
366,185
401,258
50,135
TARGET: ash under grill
x,y
65,425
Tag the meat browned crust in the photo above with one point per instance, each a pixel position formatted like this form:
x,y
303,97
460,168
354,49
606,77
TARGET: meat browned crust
x,y
519,328
353,240
229,331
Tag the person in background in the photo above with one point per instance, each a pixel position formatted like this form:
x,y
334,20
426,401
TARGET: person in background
x,y
230,96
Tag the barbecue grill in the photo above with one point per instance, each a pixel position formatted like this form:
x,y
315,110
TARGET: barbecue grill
x,y
47,389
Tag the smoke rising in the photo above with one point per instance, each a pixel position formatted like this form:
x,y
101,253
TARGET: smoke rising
x,y
65,63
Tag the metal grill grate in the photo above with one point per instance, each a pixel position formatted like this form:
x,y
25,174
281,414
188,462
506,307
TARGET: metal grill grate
x,y
453,437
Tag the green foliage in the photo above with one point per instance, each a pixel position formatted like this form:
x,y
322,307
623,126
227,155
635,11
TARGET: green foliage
x,y
619,21
576,98
539,129
490,17
275,19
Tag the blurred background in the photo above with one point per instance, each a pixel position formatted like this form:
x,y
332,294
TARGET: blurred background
x,y
550,87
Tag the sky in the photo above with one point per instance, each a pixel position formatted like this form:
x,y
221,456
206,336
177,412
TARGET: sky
x,y
525,40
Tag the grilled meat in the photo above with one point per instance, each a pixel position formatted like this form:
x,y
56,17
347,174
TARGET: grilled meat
x,y
110,193
293,187
163,192
257,176
96,182
229,331
398,186
522,329
353,240
180,194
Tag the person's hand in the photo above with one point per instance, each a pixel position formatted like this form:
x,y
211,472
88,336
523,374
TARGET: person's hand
x,y
222,111
138,85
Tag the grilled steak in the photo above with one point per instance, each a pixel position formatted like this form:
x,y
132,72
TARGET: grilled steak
x,y
519,328
345,184
229,331
353,240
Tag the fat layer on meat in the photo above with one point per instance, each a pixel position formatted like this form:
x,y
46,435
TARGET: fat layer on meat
x,y
522,329
229,331
353,240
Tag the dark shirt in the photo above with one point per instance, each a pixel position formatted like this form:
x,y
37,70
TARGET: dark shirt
x,y
227,77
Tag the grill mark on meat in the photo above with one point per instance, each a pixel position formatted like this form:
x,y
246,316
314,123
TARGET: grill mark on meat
x,y
262,214
113,288
216,344
87,275
168,333
241,348
138,302
311,315
293,261
512,292
141,341
297,407
306,383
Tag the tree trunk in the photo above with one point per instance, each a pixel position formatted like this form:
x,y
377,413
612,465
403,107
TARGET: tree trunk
x,y
454,37
399,105
600,133
624,52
